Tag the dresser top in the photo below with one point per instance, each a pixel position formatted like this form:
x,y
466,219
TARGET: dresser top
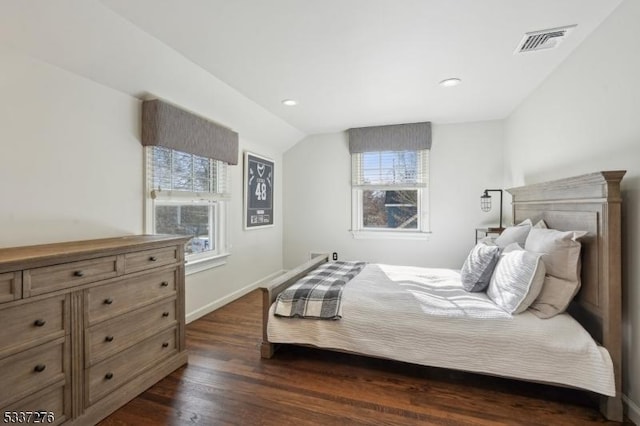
x,y
37,255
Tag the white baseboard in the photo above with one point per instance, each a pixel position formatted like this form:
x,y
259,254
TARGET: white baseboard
x,y
210,307
633,411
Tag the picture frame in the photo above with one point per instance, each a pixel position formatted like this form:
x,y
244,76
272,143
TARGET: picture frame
x,y
258,191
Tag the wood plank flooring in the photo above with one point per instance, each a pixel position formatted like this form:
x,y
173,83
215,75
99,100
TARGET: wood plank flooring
x,y
227,383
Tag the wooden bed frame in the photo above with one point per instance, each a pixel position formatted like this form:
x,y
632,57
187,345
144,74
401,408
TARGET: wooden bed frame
x,y
590,203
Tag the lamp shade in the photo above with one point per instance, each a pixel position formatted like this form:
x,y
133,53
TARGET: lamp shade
x,y
485,202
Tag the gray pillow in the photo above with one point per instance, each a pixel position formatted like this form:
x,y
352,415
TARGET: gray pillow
x,y
561,255
477,269
555,297
517,280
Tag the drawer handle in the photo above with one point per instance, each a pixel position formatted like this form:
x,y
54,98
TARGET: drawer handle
x,y
165,345
165,314
78,274
39,322
165,284
108,339
108,301
153,259
108,376
39,368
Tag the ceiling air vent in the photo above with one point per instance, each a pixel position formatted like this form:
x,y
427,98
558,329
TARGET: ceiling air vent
x,y
545,39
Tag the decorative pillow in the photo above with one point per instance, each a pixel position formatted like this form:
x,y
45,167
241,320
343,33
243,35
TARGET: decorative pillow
x,y
477,269
517,280
561,254
555,297
514,234
560,251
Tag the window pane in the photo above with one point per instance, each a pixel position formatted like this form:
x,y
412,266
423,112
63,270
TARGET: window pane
x,y
161,168
182,171
389,167
390,209
187,220
201,174
179,171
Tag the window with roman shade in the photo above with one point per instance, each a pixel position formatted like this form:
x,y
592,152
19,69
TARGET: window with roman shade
x,y
390,170
187,181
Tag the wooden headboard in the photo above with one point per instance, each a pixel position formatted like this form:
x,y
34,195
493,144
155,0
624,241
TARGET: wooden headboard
x,y
589,203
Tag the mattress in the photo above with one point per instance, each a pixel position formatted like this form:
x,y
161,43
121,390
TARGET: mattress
x,y
424,316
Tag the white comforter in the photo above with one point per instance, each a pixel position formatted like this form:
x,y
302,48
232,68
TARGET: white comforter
x,y
424,316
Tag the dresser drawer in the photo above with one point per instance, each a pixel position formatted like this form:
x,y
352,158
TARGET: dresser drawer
x,y
116,371
29,371
10,286
148,259
28,324
65,275
114,299
45,407
112,336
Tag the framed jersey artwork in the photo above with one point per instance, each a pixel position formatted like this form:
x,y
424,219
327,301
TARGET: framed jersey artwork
x,y
258,188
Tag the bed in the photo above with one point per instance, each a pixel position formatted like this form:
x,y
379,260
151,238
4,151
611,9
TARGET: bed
x,y
415,323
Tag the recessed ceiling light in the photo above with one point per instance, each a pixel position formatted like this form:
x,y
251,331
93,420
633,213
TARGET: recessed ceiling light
x,y
450,82
290,102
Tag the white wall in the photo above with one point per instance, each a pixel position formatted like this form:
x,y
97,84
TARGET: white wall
x,y
465,159
71,169
71,162
585,118
102,46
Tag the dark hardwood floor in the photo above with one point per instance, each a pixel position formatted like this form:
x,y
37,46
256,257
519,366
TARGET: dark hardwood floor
x,y
227,383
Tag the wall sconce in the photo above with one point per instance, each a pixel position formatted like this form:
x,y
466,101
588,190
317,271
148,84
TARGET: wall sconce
x,y
485,202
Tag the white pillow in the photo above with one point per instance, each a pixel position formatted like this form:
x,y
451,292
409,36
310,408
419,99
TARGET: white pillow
x,y
517,280
560,251
511,247
514,234
478,267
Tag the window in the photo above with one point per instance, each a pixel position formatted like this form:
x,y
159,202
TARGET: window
x,y
188,194
390,193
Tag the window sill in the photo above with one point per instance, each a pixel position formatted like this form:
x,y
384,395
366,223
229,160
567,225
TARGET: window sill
x,y
200,265
390,235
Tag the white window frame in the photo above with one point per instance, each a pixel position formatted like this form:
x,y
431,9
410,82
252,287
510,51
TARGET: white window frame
x,y
218,205
422,232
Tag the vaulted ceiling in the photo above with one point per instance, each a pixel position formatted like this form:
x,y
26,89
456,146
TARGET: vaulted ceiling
x,y
348,63
362,62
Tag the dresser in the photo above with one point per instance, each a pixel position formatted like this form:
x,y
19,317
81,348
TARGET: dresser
x,y
85,326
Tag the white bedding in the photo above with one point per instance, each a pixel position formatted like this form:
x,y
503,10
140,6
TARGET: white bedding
x,y
424,316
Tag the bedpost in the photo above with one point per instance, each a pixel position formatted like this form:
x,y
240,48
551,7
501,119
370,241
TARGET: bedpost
x,y
611,407
611,295
267,349
270,292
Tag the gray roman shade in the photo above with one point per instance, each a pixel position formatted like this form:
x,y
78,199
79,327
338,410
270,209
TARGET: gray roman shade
x,y
171,127
397,137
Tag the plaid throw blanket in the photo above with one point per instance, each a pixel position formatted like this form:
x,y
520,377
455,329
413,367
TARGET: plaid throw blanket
x,y
318,295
